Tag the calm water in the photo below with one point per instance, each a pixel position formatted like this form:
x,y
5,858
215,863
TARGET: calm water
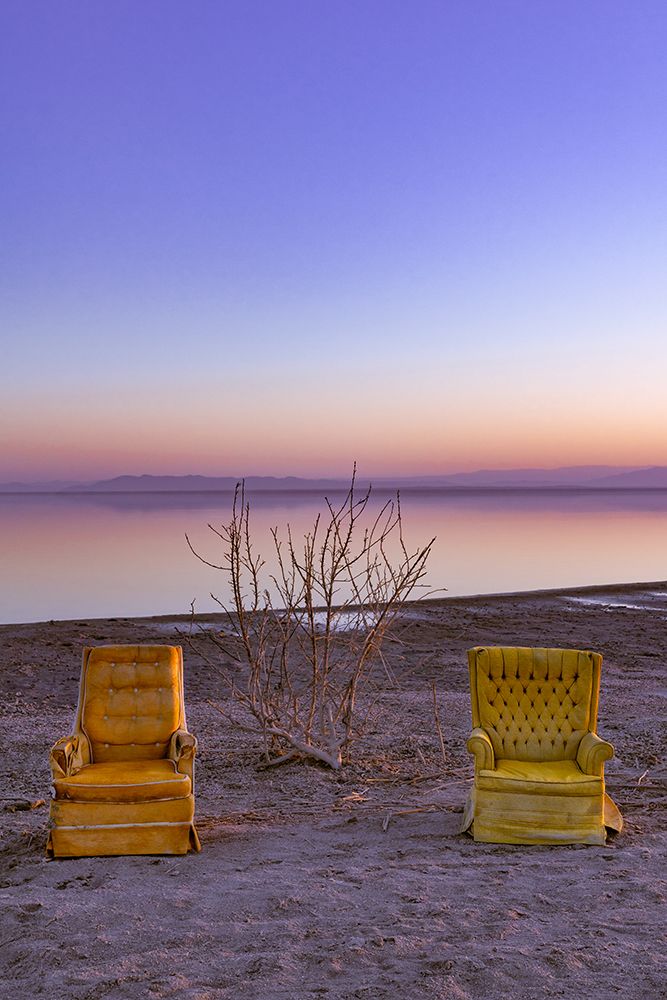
x,y
117,555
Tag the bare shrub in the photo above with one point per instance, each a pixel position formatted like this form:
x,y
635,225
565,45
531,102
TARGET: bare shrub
x,y
307,634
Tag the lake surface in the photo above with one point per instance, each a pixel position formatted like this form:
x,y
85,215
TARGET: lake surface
x,y
125,555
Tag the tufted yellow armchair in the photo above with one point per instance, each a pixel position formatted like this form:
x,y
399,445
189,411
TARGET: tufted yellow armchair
x,y
539,764
123,782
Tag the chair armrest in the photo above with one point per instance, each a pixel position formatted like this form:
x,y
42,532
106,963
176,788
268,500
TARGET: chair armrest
x,y
68,755
480,746
592,754
182,750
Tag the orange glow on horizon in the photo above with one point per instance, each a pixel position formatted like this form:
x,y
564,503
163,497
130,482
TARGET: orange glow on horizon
x,y
316,431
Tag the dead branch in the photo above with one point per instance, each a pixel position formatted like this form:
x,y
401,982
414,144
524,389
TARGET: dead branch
x,y
306,639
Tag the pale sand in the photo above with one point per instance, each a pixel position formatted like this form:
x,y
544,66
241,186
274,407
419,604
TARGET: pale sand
x,y
315,884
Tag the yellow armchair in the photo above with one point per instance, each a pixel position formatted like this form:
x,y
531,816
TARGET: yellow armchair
x,y
123,782
539,763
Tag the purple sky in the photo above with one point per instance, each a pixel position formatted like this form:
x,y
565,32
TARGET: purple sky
x,y
276,237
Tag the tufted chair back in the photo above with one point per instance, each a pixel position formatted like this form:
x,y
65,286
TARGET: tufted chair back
x,y
131,700
535,704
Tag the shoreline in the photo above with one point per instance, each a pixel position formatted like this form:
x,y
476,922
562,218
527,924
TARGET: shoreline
x,y
357,883
576,591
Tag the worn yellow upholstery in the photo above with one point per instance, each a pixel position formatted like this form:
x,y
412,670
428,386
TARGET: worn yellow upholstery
x,y
539,764
123,782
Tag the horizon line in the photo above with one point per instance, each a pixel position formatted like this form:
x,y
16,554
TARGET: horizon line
x,y
86,482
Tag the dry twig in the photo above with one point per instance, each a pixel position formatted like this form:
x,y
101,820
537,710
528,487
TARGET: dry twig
x,y
308,633
438,726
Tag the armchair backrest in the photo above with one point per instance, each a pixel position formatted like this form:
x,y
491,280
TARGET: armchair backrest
x,y
130,700
535,704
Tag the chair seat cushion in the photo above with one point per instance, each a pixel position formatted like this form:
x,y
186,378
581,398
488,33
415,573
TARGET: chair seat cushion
x,y
125,781
553,777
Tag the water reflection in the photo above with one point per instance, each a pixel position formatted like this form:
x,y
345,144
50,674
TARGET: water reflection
x,y
98,555
489,499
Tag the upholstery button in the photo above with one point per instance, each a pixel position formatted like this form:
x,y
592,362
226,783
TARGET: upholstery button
x,y
106,744
135,690
134,719
131,744
110,690
113,664
160,690
157,743
106,716
134,663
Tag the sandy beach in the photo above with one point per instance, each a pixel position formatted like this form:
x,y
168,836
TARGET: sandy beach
x,y
353,884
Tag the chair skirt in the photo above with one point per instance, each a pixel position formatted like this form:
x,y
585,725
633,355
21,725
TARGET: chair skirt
x,y
518,818
81,829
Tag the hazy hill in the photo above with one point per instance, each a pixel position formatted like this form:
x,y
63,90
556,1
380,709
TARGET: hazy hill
x,y
533,478
655,477
575,475
567,477
187,484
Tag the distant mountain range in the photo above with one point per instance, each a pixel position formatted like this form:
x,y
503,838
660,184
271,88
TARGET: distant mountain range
x,y
569,477
574,476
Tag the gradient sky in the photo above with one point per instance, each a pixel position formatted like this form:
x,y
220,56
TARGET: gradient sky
x,y
275,237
